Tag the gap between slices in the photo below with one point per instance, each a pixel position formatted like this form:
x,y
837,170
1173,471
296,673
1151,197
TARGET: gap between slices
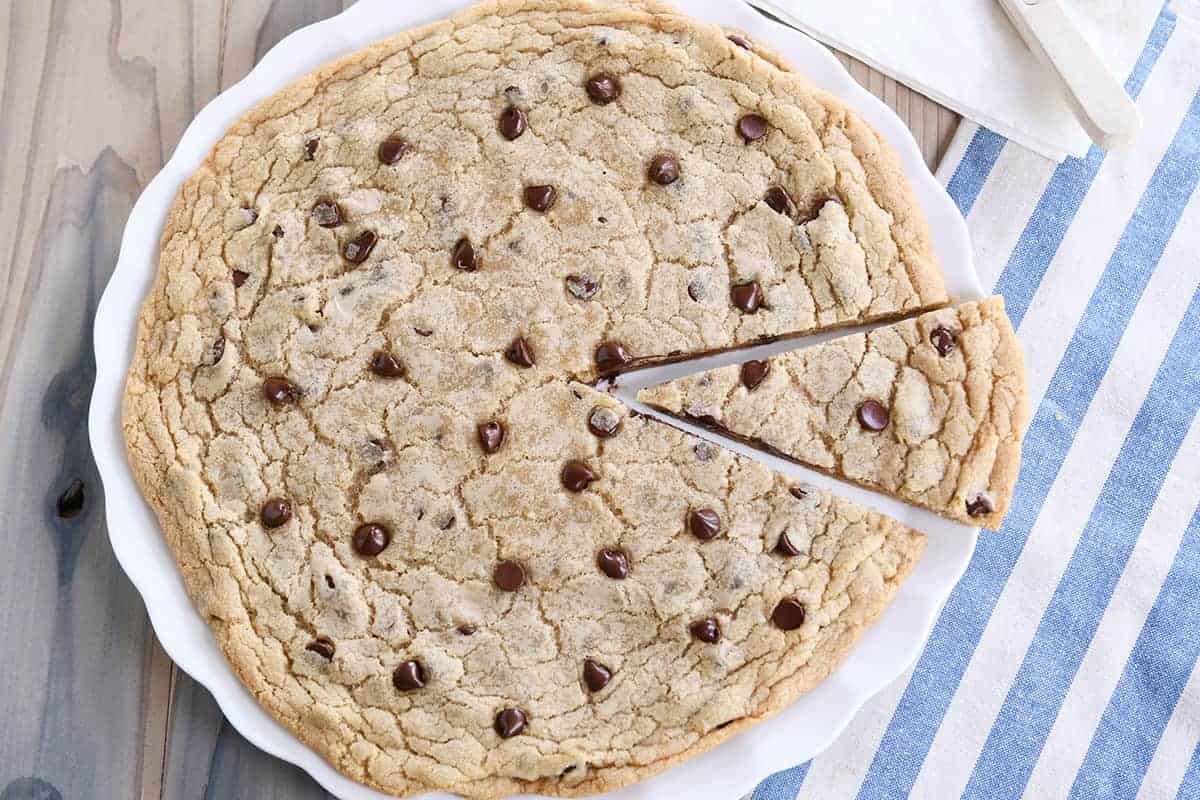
x,y
930,410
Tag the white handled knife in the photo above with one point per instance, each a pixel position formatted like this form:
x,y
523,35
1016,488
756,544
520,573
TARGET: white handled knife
x,y
1098,99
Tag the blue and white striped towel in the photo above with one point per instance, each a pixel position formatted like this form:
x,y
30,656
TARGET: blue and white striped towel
x,y
1065,663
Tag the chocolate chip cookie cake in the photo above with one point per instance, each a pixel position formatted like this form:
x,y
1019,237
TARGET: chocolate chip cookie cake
x,y
362,405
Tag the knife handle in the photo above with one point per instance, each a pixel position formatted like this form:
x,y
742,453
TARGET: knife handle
x,y
1099,100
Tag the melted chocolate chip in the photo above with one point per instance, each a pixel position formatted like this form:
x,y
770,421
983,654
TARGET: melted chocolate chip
x,y
510,722
577,476
747,297
603,88
322,646
980,506
310,149
614,563
386,365
704,524
582,287
752,127
491,436
798,493
359,248
392,149
779,201
706,630
520,353
595,675
603,422
275,513
873,415
464,256
664,169
610,357
786,547
788,615
509,576
512,123
740,41
239,278
371,539
280,391
327,214
944,340
277,232
409,676
754,373
70,502
540,198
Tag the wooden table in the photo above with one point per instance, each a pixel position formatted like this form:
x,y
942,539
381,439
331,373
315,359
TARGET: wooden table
x,y
94,95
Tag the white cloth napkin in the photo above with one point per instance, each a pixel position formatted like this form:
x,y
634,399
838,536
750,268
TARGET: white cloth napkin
x,y
966,55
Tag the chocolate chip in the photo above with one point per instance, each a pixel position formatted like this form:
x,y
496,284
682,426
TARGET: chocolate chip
x,y
603,88
217,351
327,214
582,287
664,169
466,630
981,506
798,493
944,340
358,248
386,365
610,357
310,148
491,436
70,502
512,123
740,41
577,476
704,524
275,513
752,127
747,296
464,256
614,563
603,422
510,722
779,201
540,198
595,675
697,289
280,391
277,232
520,353
392,149
788,615
873,415
706,630
239,278
509,576
424,333
754,373
704,451
322,646
785,547
409,676
329,582
371,539
447,521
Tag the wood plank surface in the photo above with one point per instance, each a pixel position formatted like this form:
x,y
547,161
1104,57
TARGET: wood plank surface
x,y
94,95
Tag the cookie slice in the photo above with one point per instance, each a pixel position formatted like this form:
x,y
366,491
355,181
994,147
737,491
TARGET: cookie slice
x,y
931,410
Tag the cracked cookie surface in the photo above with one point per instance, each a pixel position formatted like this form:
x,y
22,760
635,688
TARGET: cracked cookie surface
x,y
931,410
350,404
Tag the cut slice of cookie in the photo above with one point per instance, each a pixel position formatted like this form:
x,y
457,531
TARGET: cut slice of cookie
x,y
931,410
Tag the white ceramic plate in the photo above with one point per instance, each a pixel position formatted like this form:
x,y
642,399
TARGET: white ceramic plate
x,y
727,772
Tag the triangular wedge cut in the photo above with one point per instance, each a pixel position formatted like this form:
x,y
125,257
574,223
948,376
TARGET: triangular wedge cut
x,y
931,410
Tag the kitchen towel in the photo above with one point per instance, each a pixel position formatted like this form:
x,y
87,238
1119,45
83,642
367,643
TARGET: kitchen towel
x,y
966,55
1065,663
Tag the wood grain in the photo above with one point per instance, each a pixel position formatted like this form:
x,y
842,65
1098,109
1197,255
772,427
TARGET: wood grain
x,y
94,95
